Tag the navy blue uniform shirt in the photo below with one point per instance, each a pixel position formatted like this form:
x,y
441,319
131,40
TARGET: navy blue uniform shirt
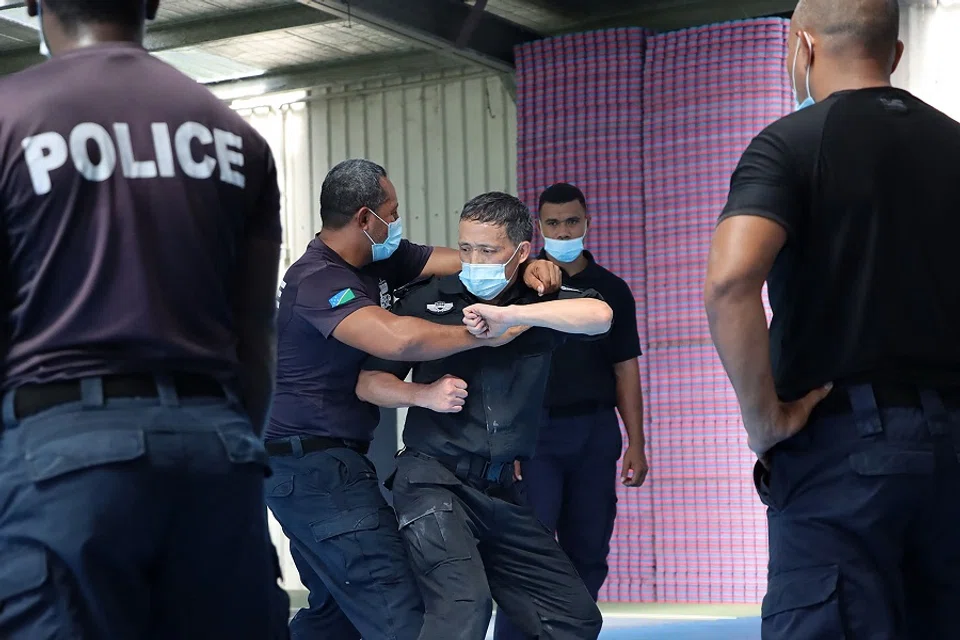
x,y
501,418
126,192
316,373
582,376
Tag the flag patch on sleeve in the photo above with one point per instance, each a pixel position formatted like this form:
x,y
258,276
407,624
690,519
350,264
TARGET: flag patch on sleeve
x,y
342,297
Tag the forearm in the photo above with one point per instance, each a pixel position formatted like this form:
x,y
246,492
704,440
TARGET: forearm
x,y
585,316
630,408
443,261
421,341
388,391
738,326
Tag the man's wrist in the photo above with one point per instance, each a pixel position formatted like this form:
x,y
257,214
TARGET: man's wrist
x,y
417,396
516,315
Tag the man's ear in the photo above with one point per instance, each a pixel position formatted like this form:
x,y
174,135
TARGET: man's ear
x,y
897,56
524,253
362,217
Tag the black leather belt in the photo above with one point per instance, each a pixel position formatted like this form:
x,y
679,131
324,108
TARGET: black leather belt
x,y
888,397
31,399
470,468
312,444
578,409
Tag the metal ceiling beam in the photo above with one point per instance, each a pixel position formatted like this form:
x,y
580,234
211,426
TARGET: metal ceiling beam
x,y
175,35
666,15
311,76
436,24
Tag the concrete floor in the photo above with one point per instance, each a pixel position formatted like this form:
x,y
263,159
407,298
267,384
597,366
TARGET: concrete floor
x,y
660,621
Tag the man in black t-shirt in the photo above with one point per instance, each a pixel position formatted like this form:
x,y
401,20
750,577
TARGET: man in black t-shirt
x,y
571,480
849,209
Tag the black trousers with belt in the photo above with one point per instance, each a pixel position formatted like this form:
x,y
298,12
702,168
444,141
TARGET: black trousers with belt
x,y
473,541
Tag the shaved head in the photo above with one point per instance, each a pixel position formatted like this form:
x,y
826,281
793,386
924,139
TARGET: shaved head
x,y
868,28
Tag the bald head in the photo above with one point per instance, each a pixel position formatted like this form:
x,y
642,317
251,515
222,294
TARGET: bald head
x,y
866,28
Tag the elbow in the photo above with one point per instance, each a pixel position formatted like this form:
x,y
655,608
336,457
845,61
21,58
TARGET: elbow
x,y
602,318
605,318
365,386
717,289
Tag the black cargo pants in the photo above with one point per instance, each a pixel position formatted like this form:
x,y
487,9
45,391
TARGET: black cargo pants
x,y
472,542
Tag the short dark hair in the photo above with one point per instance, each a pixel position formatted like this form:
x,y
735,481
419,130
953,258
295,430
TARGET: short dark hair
x,y
348,187
71,13
501,209
561,193
871,26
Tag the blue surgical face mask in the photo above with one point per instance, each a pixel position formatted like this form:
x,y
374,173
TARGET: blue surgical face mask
x,y
563,250
793,77
385,249
44,49
486,281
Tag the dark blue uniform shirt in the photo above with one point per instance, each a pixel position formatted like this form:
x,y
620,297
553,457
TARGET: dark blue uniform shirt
x,y
582,379
127,191
501,418
316,373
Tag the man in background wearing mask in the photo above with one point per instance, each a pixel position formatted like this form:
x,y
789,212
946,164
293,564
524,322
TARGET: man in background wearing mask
x,y
467,527
324,490
851,400
571,480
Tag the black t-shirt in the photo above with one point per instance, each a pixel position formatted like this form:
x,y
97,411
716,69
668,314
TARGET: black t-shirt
x,y
127,192
867,186
582,372
502,414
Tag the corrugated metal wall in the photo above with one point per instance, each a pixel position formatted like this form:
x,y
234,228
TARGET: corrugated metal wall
x,y
442,139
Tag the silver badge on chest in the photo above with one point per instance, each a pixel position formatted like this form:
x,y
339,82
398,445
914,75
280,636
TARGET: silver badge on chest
x,y
440,308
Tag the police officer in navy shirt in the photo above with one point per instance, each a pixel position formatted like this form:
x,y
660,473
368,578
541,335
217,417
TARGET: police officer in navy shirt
x,y
850,208
139,244
471,535
571,480
324,490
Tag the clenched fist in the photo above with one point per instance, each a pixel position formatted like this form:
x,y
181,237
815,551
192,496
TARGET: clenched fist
x,y
446,395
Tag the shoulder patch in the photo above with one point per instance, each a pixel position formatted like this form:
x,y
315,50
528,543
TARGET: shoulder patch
x,y
342,297
440,307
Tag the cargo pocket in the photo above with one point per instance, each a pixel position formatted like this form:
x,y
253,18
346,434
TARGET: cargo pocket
x,y
55,458
889,461
803,604
364,543
29,605
434,534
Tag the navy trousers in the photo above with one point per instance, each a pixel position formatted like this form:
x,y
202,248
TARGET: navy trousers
x,y
139,518
571,485
864,524
345,542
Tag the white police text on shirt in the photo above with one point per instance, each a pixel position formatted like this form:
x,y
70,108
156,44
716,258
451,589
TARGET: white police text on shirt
x,y
49,151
